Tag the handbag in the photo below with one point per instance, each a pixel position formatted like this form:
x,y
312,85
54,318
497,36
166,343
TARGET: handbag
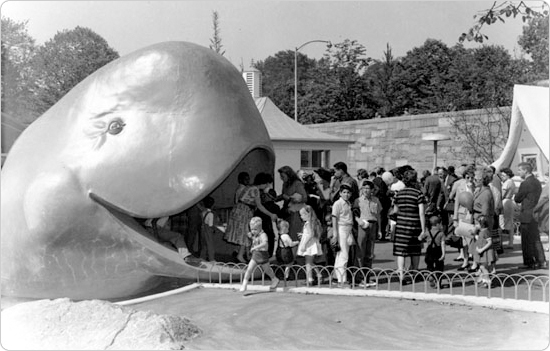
x,y
450,207
335,246
454,241
284,254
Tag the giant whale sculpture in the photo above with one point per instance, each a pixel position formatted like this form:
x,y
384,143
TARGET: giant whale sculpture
x,y
145,136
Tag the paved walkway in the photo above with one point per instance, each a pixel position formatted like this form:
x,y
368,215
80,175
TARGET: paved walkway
x,y
511,262
509,265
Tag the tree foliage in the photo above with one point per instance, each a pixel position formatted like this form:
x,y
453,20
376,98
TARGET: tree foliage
x,y
534,41
423,77
65,60
430,78
500,11
381,82
329,89
216,40
18,50
278,78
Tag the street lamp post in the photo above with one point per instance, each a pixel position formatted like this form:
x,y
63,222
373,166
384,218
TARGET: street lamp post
x,y
435,138
296,73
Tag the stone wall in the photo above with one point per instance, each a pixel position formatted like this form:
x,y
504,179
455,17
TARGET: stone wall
x,y
397,141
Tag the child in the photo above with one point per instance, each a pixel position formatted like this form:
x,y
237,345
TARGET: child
x,y
207,228
484,254
435,251
159,228
329,233
260,255
369,209
283,228
309,241
342,222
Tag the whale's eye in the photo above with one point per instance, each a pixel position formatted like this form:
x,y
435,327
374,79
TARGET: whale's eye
x,y
115,127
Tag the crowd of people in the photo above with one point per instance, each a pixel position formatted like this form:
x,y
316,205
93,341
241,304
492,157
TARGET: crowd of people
x,y
327,217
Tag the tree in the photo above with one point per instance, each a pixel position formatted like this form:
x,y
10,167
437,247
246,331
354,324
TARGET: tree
x,y
216,41
348,54
381,83
278,78
64,61
423,74
484,136
534,41
18,50
497,13
482,78
348,93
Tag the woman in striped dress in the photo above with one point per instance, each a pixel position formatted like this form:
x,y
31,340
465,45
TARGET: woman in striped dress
x,y
410,223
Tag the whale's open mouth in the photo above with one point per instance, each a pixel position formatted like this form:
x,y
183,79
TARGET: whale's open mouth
x,y
135,223
143,229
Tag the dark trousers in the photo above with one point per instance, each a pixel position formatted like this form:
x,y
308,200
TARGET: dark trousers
x,y
384,220
433,263
365,245
531,246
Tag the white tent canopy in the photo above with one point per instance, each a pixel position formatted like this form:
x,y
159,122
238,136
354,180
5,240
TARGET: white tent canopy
x,y
530,108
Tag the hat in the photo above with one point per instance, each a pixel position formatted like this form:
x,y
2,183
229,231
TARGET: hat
x,y
345,187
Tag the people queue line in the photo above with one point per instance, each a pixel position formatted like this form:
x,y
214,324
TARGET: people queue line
x,y
330,218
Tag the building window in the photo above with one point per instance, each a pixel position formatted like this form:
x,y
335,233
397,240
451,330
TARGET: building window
x,y
315,159
532,159
532,156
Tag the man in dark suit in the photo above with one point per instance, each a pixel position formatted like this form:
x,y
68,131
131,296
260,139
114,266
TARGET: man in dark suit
x,y
432,189
448,177
528,196
381,192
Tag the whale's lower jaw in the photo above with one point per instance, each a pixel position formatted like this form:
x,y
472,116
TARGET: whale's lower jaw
x,y
96,288
121,261
128,270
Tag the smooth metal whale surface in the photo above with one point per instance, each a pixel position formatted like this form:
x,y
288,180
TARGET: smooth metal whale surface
x,y
148,135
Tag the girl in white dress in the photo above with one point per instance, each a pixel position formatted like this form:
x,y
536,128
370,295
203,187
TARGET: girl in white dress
x,y
309,246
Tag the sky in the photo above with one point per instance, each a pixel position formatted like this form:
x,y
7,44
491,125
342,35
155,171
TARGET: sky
x,y
255,30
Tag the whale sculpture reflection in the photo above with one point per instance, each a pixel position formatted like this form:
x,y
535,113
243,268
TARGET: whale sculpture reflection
x,y
146,136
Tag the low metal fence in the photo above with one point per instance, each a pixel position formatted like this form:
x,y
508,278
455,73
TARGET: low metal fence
x,y
528,287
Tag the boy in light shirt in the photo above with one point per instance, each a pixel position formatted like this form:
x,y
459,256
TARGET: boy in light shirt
x,y
342,222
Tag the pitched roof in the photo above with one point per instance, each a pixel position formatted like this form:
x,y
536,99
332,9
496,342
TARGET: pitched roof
x,y
281,127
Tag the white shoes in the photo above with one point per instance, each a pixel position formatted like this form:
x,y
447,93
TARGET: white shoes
x,y
274,283
364,284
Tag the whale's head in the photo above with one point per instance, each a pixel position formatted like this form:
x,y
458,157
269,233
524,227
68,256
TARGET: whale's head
x,y
170,121
148,135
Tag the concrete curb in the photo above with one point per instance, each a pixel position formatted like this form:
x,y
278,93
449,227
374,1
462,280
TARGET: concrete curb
x,y
481,301
159,295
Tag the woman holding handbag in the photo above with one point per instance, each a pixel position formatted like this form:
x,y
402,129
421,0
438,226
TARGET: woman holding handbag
x,y
295,197
410,223
247,199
